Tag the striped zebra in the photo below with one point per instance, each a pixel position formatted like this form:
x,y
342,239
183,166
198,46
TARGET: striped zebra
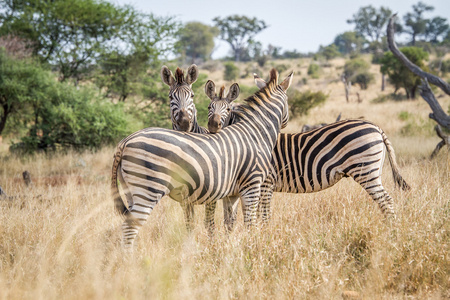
x,y
184,118
197,168
318,159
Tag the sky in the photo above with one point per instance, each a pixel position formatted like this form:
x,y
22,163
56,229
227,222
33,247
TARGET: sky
x,y
293,24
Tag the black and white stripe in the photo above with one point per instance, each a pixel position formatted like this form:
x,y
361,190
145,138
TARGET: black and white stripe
x,y
198,168
316,160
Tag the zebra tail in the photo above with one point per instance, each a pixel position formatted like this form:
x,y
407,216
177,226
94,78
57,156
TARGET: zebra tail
x,y
391,154
118,201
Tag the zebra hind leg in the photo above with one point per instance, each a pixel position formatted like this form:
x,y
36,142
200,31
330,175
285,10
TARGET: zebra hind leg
x,y
136,217
376,190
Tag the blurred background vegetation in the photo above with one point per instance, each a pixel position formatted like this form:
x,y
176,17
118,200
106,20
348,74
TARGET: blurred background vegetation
x,y
80,74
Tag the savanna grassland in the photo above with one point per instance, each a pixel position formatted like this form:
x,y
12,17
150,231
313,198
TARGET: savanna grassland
x,y
61,238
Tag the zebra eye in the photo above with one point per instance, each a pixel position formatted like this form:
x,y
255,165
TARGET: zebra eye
x,y
192,96
228,109
209,106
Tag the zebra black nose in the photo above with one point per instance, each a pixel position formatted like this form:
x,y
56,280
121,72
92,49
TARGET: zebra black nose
x,y
214,124
183,120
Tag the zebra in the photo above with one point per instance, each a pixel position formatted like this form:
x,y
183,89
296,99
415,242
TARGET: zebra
x,y
181,96
184,118
197,168
318,159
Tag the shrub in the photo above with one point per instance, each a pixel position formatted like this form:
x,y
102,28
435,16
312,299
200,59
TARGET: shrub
x,y
313,70
357,71
231,71
300,103
73,118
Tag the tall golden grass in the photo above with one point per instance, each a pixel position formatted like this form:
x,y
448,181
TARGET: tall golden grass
x,y
61,238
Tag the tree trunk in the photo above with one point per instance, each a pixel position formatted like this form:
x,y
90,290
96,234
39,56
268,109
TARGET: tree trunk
x,y
383,82
439,115
4,117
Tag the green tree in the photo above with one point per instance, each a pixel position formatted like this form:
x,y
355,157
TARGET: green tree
x,y
415,23
21,87
231,72
436,28
370,22
123,66
356,71
65,33
399,75
313,70
349,42
238,31
301,102
329,52
196,40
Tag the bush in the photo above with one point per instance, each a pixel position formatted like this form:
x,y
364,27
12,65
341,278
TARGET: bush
x,y
231,71
313,70
300,103
73,118
357,71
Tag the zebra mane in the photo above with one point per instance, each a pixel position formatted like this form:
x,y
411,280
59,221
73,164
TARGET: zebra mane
x,y
179,76
221,92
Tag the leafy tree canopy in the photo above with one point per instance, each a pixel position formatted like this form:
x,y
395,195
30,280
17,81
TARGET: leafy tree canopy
x,y
370,22
238,31
415,23
196,40
399,75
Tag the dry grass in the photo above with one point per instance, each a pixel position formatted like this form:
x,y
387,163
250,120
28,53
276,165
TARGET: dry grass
x,y
61,238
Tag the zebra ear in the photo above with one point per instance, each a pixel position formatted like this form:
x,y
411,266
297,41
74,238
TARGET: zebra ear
x,y
192,74
210,89
287,82
167,76
233,93
260,83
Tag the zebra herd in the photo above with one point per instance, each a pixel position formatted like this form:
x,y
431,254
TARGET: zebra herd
x,y
245,156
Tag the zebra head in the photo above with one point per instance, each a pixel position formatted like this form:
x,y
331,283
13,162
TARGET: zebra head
x,y
282,87
181,97
219,110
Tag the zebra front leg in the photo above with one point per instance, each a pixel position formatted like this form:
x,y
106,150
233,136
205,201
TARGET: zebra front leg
x,y
210,208
264,209
188,210
249,202
230,206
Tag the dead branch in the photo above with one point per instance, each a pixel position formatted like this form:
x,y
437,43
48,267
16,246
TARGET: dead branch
x,y
437,81
445,141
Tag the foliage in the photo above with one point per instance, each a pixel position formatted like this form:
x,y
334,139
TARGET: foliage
x,y
66,33
349,42
22,86
73,118
74,34
356,70
329,52
399,75
238,31
436,28
415,23
231,71
301,102
196,40
123,66
313,70
370,22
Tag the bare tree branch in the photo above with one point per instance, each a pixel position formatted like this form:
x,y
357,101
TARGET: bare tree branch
x,y
437,81
438,114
